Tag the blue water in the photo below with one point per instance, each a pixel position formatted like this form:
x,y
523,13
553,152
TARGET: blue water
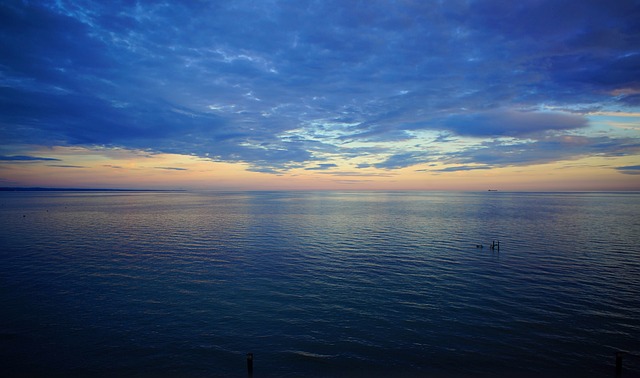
x,y
334,284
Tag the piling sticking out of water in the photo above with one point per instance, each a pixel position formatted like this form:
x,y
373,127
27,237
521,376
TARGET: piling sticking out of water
x,y
619,356
250,364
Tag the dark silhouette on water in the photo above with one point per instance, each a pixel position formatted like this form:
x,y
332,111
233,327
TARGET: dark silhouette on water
x,y
493,245
250,364
619,356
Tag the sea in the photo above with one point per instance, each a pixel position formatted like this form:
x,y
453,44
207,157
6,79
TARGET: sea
x,y
319,284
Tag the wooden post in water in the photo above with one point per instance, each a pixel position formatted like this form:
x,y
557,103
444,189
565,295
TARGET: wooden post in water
x,y
619,364
250,364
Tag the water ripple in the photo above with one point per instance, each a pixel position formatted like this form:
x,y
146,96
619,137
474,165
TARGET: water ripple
x,y
320,284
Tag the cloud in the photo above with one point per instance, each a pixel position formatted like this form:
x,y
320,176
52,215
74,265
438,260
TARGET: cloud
x,y
172,168
65,166
460,168
23,158
631,100
357,174
401,160
546,150
277,85
629,169
322,167
511,123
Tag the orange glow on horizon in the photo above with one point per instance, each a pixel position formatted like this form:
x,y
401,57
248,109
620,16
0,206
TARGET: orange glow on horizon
x,y
104,168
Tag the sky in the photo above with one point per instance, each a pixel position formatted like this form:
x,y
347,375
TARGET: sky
x,y
321,95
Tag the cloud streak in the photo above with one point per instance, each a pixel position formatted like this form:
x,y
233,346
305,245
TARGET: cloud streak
x,y
172,168
23,158
629,169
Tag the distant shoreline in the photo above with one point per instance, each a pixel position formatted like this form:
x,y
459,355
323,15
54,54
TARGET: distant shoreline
x,y
38,189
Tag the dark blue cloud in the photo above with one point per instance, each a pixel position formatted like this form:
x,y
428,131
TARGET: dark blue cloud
x,y
631,100
401,160
23,158
546,150
460,168
511,123
629,169
65,166
280,84
322,167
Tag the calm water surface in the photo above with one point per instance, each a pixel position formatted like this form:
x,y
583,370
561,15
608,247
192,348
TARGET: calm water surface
x,y
319,284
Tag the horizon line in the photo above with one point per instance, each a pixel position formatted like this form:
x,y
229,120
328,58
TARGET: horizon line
x,y
62,189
